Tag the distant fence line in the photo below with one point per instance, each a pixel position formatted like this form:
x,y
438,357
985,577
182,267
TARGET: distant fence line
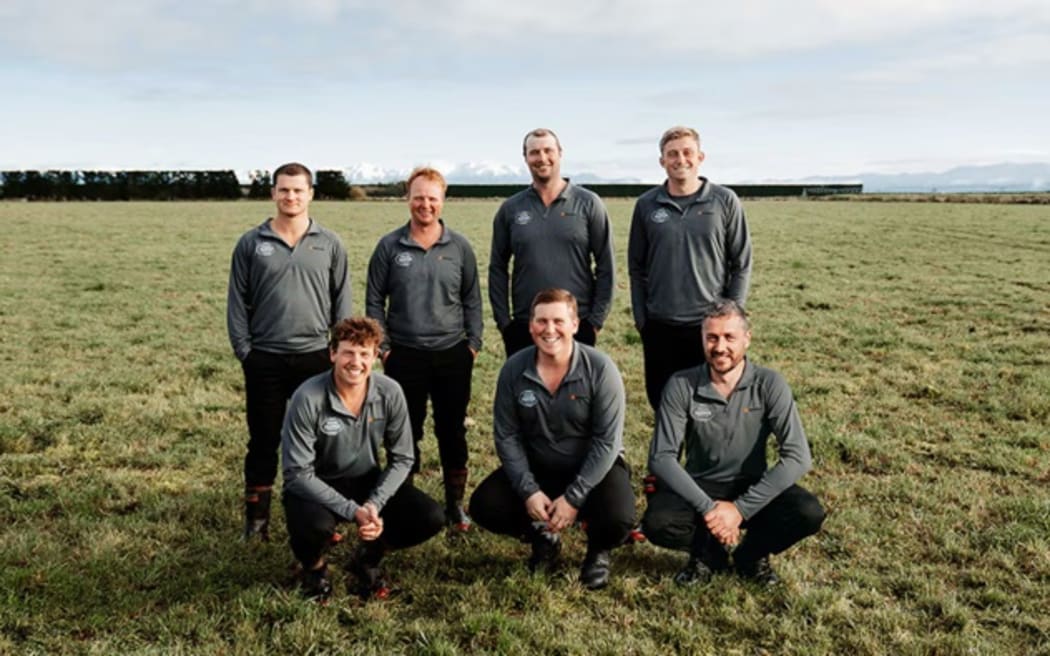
x,y
328,185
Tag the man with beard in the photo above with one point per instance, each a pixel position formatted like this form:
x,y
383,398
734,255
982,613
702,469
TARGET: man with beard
x,y
558,235
724,411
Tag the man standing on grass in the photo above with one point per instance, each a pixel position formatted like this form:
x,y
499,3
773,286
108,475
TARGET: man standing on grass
x,y
336,424
689,245
288,285
724,411
558,235
423,288
558,427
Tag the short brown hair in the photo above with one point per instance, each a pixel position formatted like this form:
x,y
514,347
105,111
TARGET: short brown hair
x,y
294,168
553,295
677,132
727,307
427,173
538,132
359,331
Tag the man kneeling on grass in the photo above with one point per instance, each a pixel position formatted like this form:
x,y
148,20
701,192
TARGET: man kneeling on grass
x,y
725,410
333,429
558,426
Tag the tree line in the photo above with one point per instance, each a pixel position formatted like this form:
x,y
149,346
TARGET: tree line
x,y
154,185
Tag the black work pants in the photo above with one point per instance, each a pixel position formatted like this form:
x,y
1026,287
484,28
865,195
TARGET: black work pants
x,y
269,381
608,510
516,335
410,517
443,376
668,349
791,516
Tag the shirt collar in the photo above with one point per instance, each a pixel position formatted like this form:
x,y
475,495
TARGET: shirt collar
x,y
705,389
336,403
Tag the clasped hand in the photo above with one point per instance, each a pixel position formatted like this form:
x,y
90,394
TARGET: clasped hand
x,y
723,521
369,523
558,514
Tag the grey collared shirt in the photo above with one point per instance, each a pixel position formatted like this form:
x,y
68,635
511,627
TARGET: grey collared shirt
x,y
579,426
425,299
321,440
567,245
683,259
725,440
283,299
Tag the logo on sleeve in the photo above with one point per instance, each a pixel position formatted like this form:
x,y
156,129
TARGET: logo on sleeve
x,y
265,249
523,218
403,259
661,215
702,413
331,426
528,399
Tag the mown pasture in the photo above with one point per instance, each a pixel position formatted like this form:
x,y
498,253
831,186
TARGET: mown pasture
x,y
916,338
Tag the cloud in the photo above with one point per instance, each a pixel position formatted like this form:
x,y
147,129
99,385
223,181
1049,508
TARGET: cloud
x,y
132,33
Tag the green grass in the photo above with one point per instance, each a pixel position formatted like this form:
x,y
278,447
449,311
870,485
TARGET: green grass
x,y
916,337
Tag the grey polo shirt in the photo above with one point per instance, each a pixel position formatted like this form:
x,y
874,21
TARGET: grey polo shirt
x,y
283,299
434,295
725,441
579,427
551,247
321,440
682,259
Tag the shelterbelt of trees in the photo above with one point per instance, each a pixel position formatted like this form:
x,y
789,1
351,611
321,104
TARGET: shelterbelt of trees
x,y
153,185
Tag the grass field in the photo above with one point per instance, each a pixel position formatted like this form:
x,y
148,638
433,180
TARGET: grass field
x,y
916,338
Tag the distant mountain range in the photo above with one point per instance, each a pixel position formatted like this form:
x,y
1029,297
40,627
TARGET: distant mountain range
x,y
465,173
987,178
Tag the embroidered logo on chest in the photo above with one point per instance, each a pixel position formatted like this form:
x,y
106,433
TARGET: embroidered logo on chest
x,y
265,249
403,259
660,216
331,426
702,413
528,399
523,218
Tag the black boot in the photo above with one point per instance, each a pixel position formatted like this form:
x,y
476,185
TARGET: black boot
x,y
316,585
546,548
455,487
758,571
257,512
364,565
752,563
706,556
594,574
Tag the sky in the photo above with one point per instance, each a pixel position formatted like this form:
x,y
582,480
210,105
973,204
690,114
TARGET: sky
x,y
778,91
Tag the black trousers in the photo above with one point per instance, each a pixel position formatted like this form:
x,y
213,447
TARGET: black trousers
x,y
608,510
516,335
444,376
269,381
668,349
410,517
791,516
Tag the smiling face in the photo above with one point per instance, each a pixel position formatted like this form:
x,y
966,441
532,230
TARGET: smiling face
x,y
681,159
426,198
543,157
552,327
293,194
352,363
725,342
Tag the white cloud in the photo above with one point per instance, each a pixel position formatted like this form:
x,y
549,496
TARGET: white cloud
x,y
127,31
